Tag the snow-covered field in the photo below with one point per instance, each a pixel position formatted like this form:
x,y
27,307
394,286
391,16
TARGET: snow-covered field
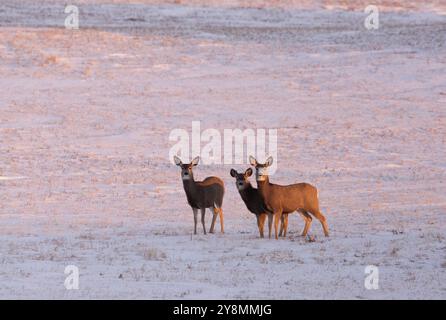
x,y
85,118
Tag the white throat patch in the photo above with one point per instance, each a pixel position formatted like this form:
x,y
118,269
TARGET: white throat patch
x,y
261,174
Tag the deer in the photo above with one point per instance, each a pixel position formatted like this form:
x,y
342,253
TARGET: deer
x,y
202,195
279,199
253,201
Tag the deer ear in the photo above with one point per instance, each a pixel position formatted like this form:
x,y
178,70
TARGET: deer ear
x,y
233,173
195,161
248,172
177,161
269,161
253,161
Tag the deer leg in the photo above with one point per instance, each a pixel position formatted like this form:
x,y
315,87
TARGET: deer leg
x,y
277,218
322,219
220,212
308,219
258,224
214,218
284,224
261,223
270,224
195,219
281,226
203,214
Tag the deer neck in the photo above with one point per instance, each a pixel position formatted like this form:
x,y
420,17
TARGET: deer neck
x,y
244,193
190,187
263,187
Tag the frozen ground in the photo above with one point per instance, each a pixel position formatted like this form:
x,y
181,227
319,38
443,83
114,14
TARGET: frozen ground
x,y
85,118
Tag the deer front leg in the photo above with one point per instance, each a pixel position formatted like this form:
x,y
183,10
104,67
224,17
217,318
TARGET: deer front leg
x,y
214,218
195,219
203,214
277,218
284,226
261,223
281,227
270,224
258,224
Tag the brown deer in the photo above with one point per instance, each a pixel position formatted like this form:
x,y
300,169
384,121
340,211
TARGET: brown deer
x,y
254,201
202,194
300,197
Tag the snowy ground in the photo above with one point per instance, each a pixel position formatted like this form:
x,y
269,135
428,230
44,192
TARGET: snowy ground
x,y
85,177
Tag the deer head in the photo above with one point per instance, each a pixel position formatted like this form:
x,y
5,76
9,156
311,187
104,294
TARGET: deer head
x,y
261,168
186,168
241,179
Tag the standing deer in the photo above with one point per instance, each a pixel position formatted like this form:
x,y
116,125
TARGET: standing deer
x,y
300,197
253,200
202,194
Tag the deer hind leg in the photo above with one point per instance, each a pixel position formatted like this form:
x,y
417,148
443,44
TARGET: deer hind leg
x,y
261,223
220,213
322,219
214,218
308,219
203,214
195,219
277,218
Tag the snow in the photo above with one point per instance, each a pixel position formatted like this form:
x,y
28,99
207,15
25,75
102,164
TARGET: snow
x,y
85,118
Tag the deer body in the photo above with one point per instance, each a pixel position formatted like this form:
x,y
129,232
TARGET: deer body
x,y
202,194
252,200
290,198
300,197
